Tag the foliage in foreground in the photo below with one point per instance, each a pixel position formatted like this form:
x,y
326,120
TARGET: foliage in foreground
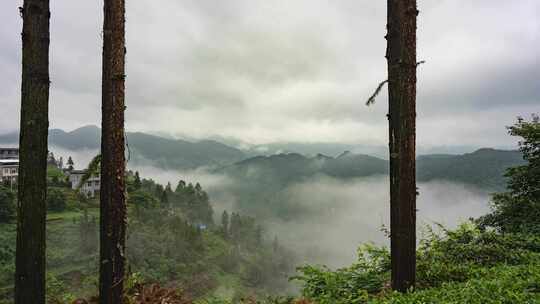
x,y
518,209
461,266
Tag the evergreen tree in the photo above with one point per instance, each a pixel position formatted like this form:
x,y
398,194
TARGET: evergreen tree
x,y
158,191
70,163
164,198
225,223
113,182
168,188
235,226
51,160
518,209
32,179
180,187
137,182
401,58
258,235
190,190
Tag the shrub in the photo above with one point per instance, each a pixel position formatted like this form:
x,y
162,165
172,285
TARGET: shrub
x,y
466,258
56,200
7,204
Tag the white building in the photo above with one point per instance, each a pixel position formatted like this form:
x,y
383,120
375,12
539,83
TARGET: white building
x,y
9,170
90,188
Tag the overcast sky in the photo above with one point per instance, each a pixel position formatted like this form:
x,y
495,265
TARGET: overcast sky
x,y
288,70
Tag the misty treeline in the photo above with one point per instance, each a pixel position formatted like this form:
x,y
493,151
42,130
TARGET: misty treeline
x,y
173,238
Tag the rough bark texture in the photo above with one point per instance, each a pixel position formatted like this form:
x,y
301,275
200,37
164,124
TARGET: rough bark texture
x,y
30,257
112,198
401,57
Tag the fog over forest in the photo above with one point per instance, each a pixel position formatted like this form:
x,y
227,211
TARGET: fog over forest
x,y
340,214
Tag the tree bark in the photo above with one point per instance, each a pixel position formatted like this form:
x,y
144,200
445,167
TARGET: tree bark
x,y
401,58
32,180
112,198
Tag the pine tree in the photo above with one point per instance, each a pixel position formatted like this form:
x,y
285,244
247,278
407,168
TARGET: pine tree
x,y
113,187
168,188
137,182
180,187
275,245
32,180
258,235
70,164
401,57
225,223
51,160
164,198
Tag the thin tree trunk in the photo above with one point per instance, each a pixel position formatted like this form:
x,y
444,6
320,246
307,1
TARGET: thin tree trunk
x,y
401,57
30,257
112,199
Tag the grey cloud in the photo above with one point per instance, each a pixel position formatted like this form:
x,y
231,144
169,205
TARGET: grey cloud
x,y
266,71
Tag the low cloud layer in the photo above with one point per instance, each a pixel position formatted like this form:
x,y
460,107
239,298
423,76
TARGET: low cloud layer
x,y
337,215
267,71
346,213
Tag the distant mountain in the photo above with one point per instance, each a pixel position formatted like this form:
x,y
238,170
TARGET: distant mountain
x,y
312,149
87,137
181,154
286,168
261,184
483,168
334,149
147,149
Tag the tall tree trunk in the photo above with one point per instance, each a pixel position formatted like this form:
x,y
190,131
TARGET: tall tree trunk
x,y
30,257
112,199
401,57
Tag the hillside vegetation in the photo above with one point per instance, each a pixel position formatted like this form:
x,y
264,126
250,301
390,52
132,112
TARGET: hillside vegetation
x,y
172,239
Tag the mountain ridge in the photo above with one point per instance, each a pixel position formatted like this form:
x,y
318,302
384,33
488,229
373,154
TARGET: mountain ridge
x,y
483,167
163,152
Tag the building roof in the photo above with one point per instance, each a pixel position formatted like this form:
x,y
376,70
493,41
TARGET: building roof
x,y
8,161
77,171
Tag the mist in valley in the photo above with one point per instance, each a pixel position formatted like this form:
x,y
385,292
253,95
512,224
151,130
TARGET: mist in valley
x,y
346,213
337,215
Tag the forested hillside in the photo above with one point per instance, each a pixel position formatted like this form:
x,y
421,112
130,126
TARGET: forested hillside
x,y
483,168
174,238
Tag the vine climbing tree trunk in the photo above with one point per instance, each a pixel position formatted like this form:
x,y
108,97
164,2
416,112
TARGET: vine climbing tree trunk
x,y
112,198
401,58
32,189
